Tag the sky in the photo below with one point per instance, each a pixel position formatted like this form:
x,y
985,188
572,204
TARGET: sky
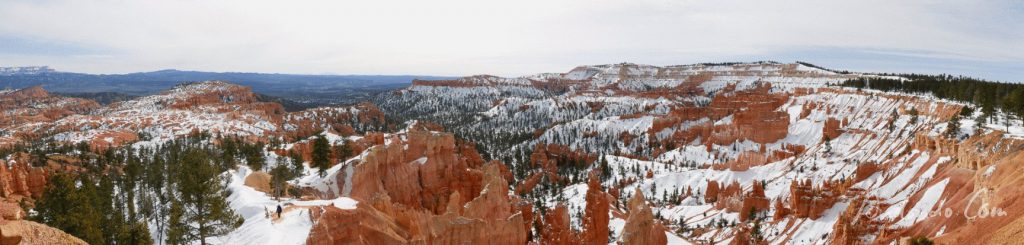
x,y
980,38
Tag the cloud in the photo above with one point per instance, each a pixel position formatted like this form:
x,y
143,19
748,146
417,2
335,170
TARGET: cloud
x,y
502,37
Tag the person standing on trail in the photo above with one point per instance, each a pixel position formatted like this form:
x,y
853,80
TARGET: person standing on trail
x,y
278,210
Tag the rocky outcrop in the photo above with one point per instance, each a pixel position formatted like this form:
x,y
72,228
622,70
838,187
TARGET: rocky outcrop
x,y
743,162
28,232
18,179
304,148
451,229
34,104
259,181
711,192
550,157
362,225
865,170
424,189
527,185
851,225
754,114
596,216
14,230
422,172
192,95
743,234
985,201
808,201
341,120
743,122
831,129
556,229
780,210
595,230
487,218
754,202
641,227
736,115
11,211
732,198
493,202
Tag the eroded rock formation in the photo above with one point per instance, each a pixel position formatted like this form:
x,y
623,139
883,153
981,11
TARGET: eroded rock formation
x,y
641,227
18,179
426,189
596,216
754,202
14,230
28,232
556,229
809,201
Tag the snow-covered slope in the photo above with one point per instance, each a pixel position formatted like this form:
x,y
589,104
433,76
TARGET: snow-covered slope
x,y
779,139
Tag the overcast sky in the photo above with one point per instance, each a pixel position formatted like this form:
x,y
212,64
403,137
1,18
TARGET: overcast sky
x,y
510,38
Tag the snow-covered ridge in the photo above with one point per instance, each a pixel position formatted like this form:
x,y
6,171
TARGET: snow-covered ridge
x,y
645,76
213,106
25,70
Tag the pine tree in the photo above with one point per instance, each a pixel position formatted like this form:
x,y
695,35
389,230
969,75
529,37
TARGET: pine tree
x,y
69,208
828,144
98,212
344,150
297,162
177,229
55,201
278,179
606,171
1013,104
755,233
892,120
152,202
254,158
137,233
654,187
953,128
88,215
229,150
913,115
321,155
987,111
132,176
112,218
203,199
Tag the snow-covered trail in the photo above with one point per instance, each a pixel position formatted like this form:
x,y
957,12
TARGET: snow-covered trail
x,y
259,228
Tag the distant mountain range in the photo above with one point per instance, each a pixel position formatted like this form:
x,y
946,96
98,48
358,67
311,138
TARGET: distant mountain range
x,y
314,89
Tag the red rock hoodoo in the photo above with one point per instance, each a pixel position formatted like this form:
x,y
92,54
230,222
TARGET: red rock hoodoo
x,y
595,219
424,190
641,228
